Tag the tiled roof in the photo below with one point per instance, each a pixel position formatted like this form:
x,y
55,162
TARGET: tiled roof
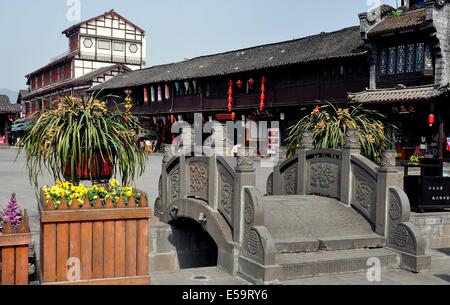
x,y
80,81
406,20
111,12
343,43
400,94
6,106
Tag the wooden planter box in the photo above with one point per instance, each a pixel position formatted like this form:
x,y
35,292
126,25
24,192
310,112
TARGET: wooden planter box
x,y
14,254
107,245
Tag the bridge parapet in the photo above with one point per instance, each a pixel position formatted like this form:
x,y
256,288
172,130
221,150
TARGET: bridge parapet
x,y
352,179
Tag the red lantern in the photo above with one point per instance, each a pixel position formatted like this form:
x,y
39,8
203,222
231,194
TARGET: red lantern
x,y
230,96
239,84
431,120
233,116
263,94
251,82
172,118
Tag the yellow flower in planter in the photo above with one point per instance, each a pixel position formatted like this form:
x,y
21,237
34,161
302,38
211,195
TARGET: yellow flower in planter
x,y
113,183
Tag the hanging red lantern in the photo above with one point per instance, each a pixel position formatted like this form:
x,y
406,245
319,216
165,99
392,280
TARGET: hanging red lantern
x,y
431,120
172,119
230,96
233,116
239,84
263,94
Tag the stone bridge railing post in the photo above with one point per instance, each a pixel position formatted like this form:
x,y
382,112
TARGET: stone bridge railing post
x,y
387,177
306,145
167,156
352,147
245,176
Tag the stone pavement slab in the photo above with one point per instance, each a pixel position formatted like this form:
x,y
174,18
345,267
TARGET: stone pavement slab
x,y
200,276
306,217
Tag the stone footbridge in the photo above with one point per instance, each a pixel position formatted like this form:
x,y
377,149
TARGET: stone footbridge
x,y
325,212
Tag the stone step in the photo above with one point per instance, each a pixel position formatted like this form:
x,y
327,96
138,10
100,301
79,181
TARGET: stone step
x,y
300,245
322,263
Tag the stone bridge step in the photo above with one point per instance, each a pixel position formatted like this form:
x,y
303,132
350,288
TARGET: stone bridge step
x,y
295,245
307,265
314,218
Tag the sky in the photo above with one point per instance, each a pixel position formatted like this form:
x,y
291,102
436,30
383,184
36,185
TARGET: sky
x,y
30,31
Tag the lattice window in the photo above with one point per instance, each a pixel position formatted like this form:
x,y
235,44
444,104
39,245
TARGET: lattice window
x,y
410,58
420,52
391,63
429,58
401,57
383,62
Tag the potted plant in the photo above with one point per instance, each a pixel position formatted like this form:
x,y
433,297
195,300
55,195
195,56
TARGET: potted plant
x,y
96,234
329,124
82,139
15,238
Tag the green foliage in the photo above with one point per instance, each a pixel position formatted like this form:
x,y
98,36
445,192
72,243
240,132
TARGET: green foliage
x,y
74,130
397,13
330,123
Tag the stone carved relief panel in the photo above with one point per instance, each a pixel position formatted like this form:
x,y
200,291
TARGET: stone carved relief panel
x,y
364,193
252,246
174,184
400,235
226,194
198,180
289,178
324,178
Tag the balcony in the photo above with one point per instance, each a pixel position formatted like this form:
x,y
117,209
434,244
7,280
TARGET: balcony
x,y
114,58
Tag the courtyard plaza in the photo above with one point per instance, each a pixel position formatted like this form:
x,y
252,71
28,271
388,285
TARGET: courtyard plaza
x,y
14,179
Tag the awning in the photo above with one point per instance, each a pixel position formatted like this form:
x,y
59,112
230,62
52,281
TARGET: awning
x,y
20,126
400,94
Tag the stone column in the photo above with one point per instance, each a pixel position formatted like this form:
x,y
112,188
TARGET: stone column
x,y
306,145
245,175
387,177
352,147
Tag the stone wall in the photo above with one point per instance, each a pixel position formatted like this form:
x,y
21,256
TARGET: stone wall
x,y
440,17
435,227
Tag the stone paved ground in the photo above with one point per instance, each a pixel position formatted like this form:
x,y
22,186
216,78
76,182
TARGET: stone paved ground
x,y
439,275
13,179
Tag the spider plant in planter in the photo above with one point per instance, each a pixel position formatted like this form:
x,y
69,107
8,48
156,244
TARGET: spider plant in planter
x,y
82,139
329,124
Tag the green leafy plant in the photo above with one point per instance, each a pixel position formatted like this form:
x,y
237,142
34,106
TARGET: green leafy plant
x,y
330,123
77,130
397,13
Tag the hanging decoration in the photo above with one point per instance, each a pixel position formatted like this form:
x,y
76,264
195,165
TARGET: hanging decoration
x,y
263,94
239,84
194,85
146,96
177,87
155,120
172,118
233,116
153,94
250,84
167,91
230,96
128,101
160,96
431,120
187,86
